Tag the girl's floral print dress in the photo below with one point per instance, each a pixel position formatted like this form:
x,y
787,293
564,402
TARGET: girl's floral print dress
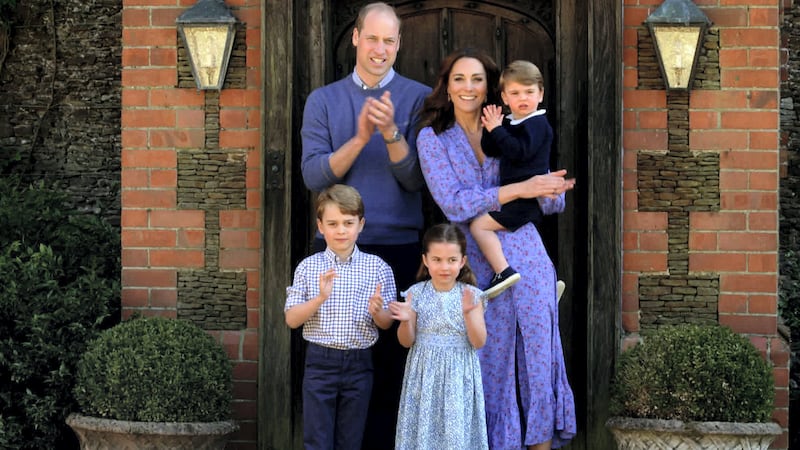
x,y
441,406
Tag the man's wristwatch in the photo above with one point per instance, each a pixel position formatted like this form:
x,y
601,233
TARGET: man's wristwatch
x,y
396,136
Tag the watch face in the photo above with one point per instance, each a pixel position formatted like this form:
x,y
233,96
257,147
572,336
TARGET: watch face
x,y
396,136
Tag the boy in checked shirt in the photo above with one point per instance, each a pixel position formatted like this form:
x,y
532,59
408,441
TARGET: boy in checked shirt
x,y
340,296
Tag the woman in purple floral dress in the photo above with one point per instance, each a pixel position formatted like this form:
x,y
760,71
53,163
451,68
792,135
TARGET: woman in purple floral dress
x,y
529,402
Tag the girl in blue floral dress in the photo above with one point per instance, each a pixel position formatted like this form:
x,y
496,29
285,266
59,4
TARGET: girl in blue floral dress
x,y
441,321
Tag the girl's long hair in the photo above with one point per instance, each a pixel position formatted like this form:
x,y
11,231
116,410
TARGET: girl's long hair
x,y
437,110
446,233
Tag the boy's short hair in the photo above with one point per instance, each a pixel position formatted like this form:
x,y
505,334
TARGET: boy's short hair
x,y
345,197
522,72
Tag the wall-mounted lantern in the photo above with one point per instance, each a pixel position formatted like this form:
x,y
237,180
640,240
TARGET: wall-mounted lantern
x,y
207,30
678,28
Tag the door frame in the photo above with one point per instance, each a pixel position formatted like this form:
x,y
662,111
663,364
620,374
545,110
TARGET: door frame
x,y
589,76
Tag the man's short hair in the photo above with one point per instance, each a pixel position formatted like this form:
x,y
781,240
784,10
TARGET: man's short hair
x,y
377,6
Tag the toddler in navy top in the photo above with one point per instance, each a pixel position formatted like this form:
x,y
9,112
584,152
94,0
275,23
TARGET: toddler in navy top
x,y
522,141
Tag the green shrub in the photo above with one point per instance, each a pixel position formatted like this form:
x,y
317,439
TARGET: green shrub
x,y
694,373
55,294
789,291
40,214
155,370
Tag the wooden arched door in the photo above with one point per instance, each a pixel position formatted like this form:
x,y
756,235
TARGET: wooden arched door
x,y
432,30
577,44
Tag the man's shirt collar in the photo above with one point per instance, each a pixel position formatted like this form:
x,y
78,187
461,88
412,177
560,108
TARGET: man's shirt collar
x,y
381,84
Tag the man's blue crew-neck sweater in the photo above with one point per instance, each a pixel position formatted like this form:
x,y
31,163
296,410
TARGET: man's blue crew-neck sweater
x,y
391,191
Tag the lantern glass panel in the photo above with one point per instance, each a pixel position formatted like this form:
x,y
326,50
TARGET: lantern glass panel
x,y
678,47
207,45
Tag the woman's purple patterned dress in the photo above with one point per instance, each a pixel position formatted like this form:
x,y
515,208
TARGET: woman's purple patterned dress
x,y
524,343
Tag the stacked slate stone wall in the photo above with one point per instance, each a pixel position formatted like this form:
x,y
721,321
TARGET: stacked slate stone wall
x,y
678,181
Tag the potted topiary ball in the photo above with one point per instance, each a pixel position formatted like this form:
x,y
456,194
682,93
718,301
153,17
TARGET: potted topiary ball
x,y
153,383
693,387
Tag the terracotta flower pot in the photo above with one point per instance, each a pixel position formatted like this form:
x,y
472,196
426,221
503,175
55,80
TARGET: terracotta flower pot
x,y
107,434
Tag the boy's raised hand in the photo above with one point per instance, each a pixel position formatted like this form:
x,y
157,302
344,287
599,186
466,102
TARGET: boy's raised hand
x,y
326,283
402,311
376,301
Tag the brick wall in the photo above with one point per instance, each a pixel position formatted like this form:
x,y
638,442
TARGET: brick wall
x,y
706,248
190,191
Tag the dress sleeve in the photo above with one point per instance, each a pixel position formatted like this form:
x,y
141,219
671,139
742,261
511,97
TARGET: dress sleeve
x,y
415,291
552,205
452,178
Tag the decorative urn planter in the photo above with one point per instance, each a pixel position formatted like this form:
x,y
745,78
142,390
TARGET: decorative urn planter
x,y
657,434
692,387
153,383
108,434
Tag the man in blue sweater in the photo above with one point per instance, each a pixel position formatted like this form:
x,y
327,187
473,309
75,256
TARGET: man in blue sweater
x,y
360,131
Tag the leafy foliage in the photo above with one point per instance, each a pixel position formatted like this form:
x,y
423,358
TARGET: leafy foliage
x,y
54,296
155,370
40,214
6,7
789,292
7,18
694,373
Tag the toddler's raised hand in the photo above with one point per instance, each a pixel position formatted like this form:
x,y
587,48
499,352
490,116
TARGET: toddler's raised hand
x,y
492,117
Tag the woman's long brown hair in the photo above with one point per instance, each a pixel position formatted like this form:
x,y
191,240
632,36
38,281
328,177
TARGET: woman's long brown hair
x,y
437,110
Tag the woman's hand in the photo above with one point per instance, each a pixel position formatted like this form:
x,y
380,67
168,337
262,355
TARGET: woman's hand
x,y
550,185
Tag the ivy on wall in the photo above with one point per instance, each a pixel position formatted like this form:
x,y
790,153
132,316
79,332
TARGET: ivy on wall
x,y
6,20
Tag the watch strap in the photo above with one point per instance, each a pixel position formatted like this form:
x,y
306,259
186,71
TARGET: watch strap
x,y
396,136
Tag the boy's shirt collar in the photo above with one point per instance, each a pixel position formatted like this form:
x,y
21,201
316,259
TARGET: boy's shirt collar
x,y
514,121
334,258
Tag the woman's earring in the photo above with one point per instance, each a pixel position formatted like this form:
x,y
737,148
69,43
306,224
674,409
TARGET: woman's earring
x,y
448,98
